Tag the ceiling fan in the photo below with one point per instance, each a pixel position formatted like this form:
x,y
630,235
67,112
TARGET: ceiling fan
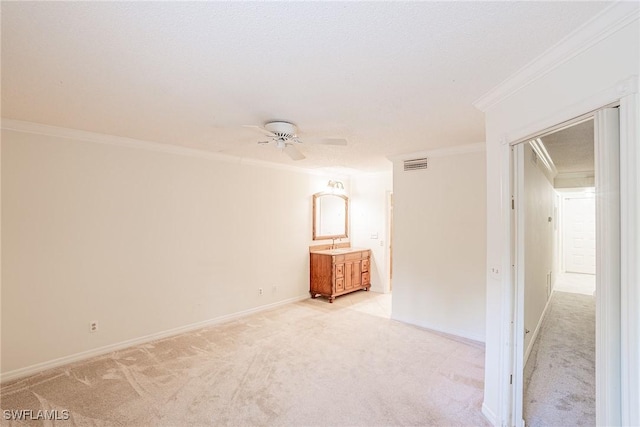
x,y
284,135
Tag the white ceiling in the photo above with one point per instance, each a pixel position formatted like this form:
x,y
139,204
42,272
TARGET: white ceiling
x,y
572,149
391,77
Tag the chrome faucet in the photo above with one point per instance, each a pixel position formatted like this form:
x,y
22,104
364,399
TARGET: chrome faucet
x,y
333,243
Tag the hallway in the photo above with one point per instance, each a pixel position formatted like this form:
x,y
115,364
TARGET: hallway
x,y
560,373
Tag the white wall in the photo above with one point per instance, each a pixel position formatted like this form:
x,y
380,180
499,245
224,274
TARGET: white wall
x,y
439,244
140,240
538,201
369,216
571,85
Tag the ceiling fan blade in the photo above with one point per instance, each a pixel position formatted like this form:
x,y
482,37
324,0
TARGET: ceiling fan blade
x,y
259,129
293,152
327,141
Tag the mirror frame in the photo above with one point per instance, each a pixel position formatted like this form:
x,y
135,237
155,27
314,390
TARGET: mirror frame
x,y
346,217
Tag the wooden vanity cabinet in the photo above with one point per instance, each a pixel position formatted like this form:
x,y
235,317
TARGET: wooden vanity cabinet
x,y
338,272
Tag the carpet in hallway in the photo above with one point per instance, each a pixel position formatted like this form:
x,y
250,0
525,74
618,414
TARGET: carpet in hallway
x,y
560,373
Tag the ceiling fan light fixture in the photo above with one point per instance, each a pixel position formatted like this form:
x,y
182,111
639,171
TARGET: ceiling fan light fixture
x,y
284,136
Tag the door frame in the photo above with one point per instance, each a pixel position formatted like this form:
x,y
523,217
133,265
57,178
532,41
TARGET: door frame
x,y
625,95
389,242
607,171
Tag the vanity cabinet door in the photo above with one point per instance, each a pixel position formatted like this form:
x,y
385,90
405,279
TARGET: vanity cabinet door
x,y
353,272
348,272
357,274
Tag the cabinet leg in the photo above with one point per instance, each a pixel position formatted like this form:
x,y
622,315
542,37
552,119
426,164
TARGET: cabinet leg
x,y
331,299
313,295
367,288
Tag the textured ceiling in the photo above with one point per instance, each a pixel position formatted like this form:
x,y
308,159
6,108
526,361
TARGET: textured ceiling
x,y
391,77
572,149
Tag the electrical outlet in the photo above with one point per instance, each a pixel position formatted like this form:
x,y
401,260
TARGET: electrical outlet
x,y
260,291
93,326
274,290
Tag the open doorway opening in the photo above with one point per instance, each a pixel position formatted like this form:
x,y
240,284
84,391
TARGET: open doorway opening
x,y
577,238
390,239
569,334
560,267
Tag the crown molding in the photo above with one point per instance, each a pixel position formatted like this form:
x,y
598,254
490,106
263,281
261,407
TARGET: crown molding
x,y
574,175
441,152
538,146
601,26
573,180
337,172
386,172
576,192
101,138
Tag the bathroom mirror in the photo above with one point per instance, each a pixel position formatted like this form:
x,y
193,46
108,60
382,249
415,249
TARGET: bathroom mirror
x,y
330,216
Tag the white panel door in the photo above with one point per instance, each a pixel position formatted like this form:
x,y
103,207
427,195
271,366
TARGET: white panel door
x,y
579,237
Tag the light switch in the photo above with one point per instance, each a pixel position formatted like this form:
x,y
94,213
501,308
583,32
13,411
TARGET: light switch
x,y
374,235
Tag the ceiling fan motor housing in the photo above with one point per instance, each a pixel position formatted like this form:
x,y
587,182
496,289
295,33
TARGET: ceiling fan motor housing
x,y
284,130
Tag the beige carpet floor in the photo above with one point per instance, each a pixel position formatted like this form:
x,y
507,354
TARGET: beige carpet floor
x,y
560,373
309,363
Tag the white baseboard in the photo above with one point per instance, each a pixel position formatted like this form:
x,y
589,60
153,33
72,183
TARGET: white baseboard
x,y
537,330
39,367
489,415
448,331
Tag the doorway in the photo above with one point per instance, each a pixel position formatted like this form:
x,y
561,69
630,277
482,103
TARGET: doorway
x,y
561,248
578,224
390,238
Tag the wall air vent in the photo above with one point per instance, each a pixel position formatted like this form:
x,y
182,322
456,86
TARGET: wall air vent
x,y
415,164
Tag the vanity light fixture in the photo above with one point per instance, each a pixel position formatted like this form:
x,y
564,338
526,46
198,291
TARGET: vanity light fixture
x,y
335,187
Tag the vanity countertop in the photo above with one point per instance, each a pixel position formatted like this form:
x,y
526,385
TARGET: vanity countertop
x,y
340,251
